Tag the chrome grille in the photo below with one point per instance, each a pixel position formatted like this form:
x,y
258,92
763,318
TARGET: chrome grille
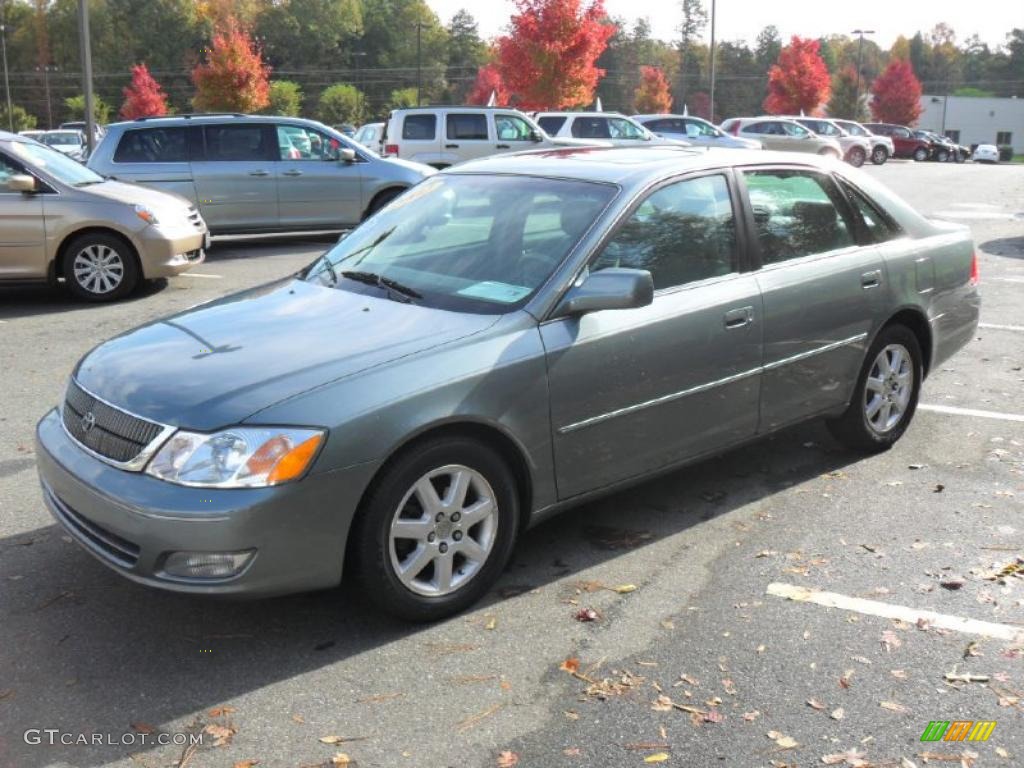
x,y
120,550
110,432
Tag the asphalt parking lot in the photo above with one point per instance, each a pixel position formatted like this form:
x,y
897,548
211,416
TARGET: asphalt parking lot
x,y
697,654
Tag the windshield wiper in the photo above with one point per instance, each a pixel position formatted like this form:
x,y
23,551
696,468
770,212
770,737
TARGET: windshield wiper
x,y
330,268
372,278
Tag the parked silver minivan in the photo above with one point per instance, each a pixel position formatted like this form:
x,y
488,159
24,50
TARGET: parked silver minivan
x,y
255,174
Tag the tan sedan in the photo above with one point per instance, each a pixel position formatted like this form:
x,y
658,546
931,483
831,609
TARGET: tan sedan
x,y
58,219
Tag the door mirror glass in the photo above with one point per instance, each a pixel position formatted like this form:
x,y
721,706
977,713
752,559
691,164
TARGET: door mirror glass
x,y
22,182
346,154
613,288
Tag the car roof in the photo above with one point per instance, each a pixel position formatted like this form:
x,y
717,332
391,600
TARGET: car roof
x,y
578,113
625,166
207,118
663,115
8,136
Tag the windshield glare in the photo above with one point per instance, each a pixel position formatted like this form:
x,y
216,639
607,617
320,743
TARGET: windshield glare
x,y
59,166
468,243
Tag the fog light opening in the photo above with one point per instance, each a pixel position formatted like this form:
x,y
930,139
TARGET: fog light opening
x,y
207,565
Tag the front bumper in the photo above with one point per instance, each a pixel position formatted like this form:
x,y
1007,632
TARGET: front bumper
x,y
131,522
165,253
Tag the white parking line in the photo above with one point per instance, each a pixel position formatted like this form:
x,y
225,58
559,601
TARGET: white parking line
x,y
998,327
1009,279
952,410
901,612
200,274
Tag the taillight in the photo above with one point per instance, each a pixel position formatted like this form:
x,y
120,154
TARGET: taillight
x,y
390,150
975,272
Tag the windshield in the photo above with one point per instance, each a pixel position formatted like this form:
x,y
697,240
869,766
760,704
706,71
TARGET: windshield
x,y
59,166
61,137
467,243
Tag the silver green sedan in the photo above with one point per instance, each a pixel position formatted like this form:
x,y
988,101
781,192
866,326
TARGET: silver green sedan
x,y
509,338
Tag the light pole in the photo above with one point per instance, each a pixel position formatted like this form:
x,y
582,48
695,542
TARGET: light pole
x,y
84,44
46,70
711,95
7,80
860,54
361,103
419,62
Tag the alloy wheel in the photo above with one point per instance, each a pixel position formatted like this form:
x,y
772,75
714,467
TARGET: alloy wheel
x,y
888,388
443,530
98,269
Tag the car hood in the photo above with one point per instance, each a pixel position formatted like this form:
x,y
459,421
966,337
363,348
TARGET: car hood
x,y
133,194
220,363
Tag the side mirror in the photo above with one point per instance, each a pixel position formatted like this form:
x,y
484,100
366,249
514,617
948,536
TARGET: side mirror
x,y
346,155
614,288
535,135
22,182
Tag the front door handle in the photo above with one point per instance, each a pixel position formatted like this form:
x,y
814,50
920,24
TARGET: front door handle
x,y
451,146
871,279
292,173
502,146
259,173
738,318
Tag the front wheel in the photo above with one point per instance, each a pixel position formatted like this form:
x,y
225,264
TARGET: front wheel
x,y
436,530
886,393
879,155
920,154
942,156
856,157
100,267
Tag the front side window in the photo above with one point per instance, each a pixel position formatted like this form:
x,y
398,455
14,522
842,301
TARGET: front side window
x,y
794,129
625,129
901,133
697,128
512,128
300,143
854,129
467,127
237,143
591,128
551,124
8,168
468,243
152,145
682,233
796,214
419,127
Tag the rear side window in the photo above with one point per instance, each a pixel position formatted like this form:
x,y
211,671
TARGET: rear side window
x,y
152,145
552,124
760,128
467,127
591,128
239,143
796,213
419,127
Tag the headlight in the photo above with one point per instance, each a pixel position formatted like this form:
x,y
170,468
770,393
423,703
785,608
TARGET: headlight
x,y
147,215
241,457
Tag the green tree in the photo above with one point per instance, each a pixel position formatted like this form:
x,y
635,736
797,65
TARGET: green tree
x,y
466,53
695,18
310,33
340,103
75,109
845,102
401,98
285,98
389,40
20,119
767,47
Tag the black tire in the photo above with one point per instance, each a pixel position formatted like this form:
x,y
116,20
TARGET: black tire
x,y
370,545
853,428
100,267
942,155
959,157
381,200
879,155
920,154
856,157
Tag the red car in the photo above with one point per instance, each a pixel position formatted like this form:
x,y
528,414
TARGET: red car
x,y
904,143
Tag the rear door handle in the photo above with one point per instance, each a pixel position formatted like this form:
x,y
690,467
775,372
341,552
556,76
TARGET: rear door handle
x,y
871,279
737,318
451,146
292,173
259,173
502,146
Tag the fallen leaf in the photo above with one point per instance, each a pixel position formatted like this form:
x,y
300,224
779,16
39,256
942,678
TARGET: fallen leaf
x,y
1001,751
571,714
851,757
815,704
893,706
625,589
221,734
331,740
662,704
916,466
299,719
507,759
951,584
786,742
587,614
890,640
714,716
571,752
899,674
492,623
729,686
222,711
472,720
838,713
844,681
751,716
657,757
570,665
341,759
245,763
141,727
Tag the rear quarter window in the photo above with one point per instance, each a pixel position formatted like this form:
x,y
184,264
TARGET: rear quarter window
x,y
152,145
551,125
419,127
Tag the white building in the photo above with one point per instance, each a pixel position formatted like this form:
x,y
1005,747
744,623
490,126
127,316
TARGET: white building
x,y
969,120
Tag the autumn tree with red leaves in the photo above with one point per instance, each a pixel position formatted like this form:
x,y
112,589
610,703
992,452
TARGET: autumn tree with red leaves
x,y
799,80
897,94
488,81
232,76
143,96
548,60
652,95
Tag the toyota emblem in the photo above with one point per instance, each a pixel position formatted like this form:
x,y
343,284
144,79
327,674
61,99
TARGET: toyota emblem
x,y
88,422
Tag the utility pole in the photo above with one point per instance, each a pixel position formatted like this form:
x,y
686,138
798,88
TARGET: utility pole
x,y
83,33
711,107
7,80
860,54
419,63
46,70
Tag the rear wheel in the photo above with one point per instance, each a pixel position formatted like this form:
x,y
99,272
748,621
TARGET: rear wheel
x,y
382,199
886,393
959,156
942,155
920,154
100,267
436,530
856,157
879,155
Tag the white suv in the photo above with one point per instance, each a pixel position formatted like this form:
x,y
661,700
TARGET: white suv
x,y
613,127
443,136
